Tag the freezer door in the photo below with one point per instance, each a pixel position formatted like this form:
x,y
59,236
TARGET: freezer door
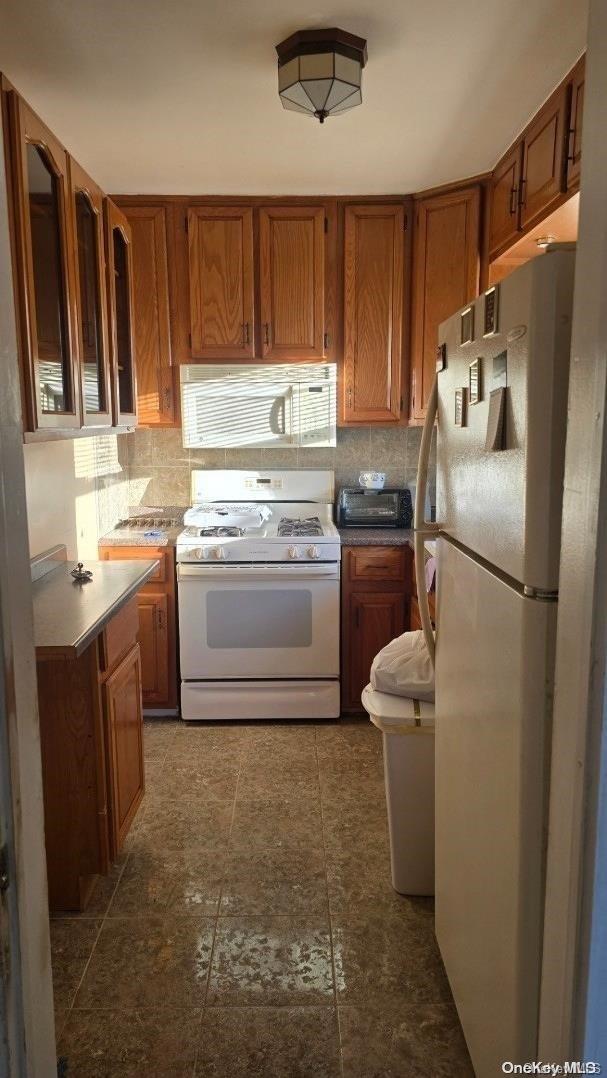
x,y
495,656
505,503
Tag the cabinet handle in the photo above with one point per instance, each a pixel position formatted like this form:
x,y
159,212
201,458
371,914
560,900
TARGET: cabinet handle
x,y
513,192
266,330
571,144
379,565
521,194
245,332
160,619
350,397
326,340
168,396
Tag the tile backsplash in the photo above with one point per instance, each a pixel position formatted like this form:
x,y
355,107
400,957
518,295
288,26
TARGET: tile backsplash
x,y
159,467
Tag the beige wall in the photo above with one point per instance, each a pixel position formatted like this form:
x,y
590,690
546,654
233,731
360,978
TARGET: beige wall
x,y
76,491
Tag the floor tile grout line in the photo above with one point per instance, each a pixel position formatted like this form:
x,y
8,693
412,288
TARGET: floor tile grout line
x,y
333,968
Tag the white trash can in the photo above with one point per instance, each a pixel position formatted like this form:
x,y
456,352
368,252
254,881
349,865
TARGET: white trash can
x,y
407,727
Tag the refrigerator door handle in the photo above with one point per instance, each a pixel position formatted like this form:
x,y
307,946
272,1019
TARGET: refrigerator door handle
x,y
424,529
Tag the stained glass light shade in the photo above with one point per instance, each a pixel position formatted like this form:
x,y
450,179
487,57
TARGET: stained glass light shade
x,y
320,72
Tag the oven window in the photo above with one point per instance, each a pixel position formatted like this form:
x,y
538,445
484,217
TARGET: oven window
x,y
269,618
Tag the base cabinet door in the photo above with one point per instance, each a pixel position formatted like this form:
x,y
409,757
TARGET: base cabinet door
x,y
124,745
154,646
375,618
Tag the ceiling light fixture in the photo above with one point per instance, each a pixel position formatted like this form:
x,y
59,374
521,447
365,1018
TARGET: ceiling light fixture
x,y
320,71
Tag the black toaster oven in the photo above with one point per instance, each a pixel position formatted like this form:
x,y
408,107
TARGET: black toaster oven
x,y
387,508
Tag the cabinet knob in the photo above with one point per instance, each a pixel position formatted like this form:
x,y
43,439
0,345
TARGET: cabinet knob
x,y
266,332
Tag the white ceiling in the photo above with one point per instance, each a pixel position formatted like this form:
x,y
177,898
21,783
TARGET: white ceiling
x,y
180,96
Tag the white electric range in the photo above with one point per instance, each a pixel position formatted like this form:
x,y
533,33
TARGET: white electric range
x,y
258,566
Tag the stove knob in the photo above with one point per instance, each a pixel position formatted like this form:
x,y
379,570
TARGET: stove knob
x,y
219,553
198,552
294,552
201,553
313,552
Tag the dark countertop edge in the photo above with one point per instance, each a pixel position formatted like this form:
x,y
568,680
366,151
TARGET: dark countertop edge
x,y
376,536
79,646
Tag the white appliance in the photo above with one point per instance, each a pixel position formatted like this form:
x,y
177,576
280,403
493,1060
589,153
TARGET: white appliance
x,y
502,407
258,566
286,405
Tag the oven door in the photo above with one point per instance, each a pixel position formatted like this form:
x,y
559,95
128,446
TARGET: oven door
x,y
259,621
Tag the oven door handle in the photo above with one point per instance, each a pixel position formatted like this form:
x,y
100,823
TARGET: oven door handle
x,y
269,574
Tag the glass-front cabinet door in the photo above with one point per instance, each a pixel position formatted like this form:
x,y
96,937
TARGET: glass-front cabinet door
x,y
91,300
119,262
43,249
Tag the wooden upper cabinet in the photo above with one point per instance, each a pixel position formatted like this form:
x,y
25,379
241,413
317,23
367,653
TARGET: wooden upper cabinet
x,y
221,282
504,214
155,387
292,282
445,277
574,148
45,273
119,266
544,159
91,299
373,312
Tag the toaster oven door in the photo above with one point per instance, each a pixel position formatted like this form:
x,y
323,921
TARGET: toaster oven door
x,y
376,508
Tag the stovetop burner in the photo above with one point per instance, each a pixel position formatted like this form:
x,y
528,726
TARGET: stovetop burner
x,y
218,532
290,526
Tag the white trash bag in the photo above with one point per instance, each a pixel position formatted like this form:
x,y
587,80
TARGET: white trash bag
x,y
403,668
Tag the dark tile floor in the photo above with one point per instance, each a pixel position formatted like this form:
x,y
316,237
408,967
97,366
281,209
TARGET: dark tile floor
x,y
250,928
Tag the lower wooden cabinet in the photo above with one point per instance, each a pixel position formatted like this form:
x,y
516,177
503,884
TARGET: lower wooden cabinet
x,y
376,593
157,625
124,746
91,738
154,642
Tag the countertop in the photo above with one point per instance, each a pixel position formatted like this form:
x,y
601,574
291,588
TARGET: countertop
x,y
137,537
68,616
376,536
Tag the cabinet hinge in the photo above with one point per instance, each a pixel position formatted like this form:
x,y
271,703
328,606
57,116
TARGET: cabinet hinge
x,y
4,873
187,225
326,224
326,340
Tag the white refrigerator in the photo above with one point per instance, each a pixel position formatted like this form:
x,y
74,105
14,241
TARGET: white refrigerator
x,y
502,407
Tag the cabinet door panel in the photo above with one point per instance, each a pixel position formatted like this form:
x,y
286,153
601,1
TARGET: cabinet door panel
x,y
119,263
156,403
373,312
504,210
375,619
544,161
292,282
574,159
445,277
221,282
124,739
45,269
154,644
91,299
